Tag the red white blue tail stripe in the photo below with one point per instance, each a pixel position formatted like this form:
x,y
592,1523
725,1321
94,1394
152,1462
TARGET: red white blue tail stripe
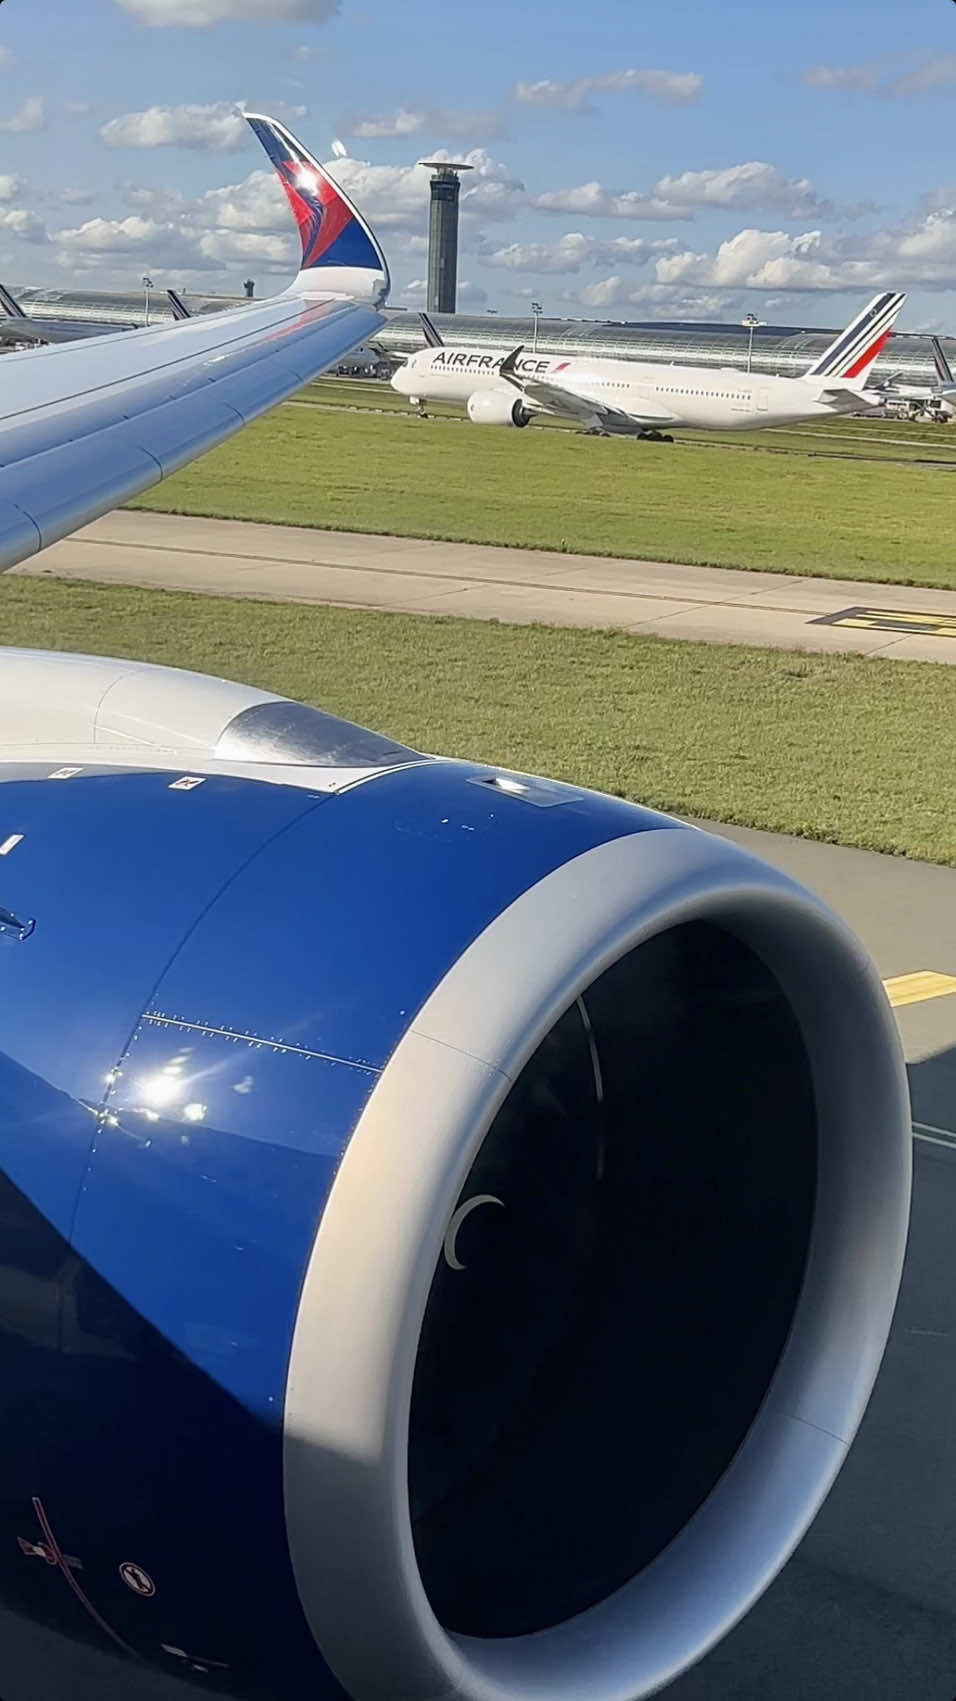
x,y
337,244
853,352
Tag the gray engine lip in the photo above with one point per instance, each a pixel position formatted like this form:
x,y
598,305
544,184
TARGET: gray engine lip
x,y
364,1295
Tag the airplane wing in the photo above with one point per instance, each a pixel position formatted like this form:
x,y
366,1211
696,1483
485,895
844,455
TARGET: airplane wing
x,y
567,404
86,426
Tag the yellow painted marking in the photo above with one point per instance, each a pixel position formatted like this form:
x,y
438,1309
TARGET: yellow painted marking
x,y
916,988
892,620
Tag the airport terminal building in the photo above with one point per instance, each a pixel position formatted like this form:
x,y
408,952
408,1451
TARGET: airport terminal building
x,y
784,350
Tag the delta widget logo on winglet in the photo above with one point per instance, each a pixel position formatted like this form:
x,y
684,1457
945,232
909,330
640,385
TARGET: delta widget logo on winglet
x,y
331,231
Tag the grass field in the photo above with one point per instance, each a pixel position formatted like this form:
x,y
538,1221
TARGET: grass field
x,y
705,502
846,749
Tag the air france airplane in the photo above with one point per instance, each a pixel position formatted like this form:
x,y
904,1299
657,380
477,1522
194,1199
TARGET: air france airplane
x,y
640,399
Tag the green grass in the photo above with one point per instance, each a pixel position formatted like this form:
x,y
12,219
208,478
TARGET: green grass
x,y
706,503
844,749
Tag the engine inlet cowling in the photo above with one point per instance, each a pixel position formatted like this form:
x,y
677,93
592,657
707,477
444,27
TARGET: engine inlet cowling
x,y
570,1383
498,407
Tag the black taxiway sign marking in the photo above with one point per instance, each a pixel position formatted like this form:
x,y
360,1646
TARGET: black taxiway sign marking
x,y
892,620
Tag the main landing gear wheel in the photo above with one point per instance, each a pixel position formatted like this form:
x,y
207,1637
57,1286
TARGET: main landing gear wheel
x,y
655,437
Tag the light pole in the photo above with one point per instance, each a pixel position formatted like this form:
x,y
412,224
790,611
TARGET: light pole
x,y
752,323
537,311
147,286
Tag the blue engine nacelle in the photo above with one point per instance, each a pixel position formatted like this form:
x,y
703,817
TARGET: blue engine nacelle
x,y
450,1221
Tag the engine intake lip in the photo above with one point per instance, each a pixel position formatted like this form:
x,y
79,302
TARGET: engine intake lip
x,y
368,1282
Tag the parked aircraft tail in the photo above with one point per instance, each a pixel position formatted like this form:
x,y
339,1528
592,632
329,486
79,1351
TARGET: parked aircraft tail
x,y
10,305
340,256
432,337
178,305
851,355
944,371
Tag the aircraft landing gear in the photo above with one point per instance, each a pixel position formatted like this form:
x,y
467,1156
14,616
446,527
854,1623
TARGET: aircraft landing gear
x,y
655,437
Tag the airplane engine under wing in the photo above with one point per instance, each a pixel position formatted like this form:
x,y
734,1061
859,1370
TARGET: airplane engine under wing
x,y
450,1221
498,407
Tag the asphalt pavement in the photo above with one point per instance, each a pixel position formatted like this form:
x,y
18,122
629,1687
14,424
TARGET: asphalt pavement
x,y
713,605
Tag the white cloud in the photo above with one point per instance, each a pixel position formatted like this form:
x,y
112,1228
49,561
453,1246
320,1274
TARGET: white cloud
x,y
936,73
114,236
920,253
593,200
24,225
928,73
10,186
863,77
268,253
417,289
671,88
433,121
661,302
753,184
257,206
201,14
395,197
76,197
219,128
31,116
569,254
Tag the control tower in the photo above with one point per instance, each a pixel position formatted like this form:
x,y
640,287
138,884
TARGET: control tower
x,y
443,235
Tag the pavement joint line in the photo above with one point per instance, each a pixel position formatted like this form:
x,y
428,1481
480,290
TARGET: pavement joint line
x,y
662,594
918,988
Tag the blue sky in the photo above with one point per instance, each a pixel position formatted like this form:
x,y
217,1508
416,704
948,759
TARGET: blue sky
x,y
634,159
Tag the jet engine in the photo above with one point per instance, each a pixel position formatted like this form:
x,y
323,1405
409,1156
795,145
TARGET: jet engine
x,y
498,407
451,1220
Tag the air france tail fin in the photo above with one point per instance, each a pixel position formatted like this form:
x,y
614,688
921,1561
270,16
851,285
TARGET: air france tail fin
x,y
340,256
848,360
944,371
432,337
178,305
10,305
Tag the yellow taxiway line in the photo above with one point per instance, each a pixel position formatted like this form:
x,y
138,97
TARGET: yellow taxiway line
x,y
916,988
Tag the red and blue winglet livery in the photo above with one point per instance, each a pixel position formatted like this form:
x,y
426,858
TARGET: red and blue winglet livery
x,y
339,252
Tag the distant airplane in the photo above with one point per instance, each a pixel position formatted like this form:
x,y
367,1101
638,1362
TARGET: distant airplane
x,y
935,401
640,399
88,425
19,327
16,326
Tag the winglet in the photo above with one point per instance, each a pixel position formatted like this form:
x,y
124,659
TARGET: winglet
x,y
509,366
432,337
340,256
10,305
